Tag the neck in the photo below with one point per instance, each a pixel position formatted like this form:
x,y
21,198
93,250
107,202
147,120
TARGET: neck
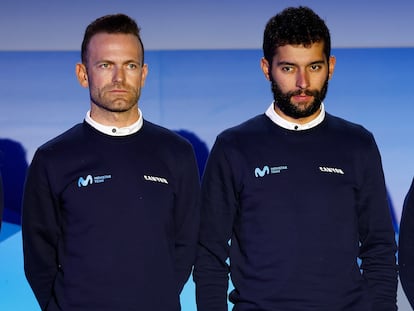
x,y
117,119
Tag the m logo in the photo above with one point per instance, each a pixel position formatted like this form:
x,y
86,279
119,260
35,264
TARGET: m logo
x,y
261,172
84,182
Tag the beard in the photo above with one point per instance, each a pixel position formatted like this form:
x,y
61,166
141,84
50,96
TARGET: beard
x,y
283,100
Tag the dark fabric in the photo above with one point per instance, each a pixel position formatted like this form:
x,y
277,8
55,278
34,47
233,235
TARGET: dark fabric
x,y
111,223
1,200
406,246
299,208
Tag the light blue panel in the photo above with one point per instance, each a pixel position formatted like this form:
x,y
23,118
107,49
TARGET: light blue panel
x,y
15,293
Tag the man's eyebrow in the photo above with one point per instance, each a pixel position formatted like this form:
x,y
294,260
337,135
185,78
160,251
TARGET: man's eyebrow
x,y
107,61
287,63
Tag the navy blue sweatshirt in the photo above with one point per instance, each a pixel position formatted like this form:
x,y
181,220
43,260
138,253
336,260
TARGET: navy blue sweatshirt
x,y
111,223
293,211
406,246
1,200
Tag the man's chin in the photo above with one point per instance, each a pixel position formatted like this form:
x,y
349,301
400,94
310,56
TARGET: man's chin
x,y
302,107
301,110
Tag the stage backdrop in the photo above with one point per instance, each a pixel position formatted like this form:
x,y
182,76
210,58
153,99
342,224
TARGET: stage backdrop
x,y
200,93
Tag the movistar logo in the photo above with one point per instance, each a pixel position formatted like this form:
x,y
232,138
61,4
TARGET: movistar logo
x,y
89,180
261,172
266,170
83,182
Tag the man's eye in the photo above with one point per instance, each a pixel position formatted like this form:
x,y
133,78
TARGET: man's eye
x,y
287,69
132,66
104,65
315,67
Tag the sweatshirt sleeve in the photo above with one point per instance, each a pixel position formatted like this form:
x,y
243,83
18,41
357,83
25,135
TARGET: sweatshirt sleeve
x,y
1,200
218,206
40,231
377,235
187,216
406,246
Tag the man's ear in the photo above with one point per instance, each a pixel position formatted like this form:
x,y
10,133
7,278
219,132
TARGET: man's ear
x,y
264,64
82,74
332,63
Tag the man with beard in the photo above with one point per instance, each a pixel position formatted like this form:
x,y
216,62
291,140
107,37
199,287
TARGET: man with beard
x,y
110,212
295,198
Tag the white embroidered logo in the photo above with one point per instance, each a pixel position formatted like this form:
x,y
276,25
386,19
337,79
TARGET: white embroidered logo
x,y
333,170
156,179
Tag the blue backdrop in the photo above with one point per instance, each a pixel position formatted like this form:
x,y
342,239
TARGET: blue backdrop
x,y
200,93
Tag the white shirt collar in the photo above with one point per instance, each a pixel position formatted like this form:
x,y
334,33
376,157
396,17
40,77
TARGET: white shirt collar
x,y
113,130
271,113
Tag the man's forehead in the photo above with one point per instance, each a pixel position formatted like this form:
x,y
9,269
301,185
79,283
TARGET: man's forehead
x,y
300,53
114,44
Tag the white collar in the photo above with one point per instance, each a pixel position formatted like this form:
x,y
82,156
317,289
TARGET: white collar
x,y
271,113
113,130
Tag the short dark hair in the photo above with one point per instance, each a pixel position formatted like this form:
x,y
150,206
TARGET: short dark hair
x,y
295,26
112,24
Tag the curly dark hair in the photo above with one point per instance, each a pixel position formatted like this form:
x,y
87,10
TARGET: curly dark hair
x,y
295,26
112,24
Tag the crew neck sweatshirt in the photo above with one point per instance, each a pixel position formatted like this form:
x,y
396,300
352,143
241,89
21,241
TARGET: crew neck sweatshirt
x,y
406,246
293,211
111,222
